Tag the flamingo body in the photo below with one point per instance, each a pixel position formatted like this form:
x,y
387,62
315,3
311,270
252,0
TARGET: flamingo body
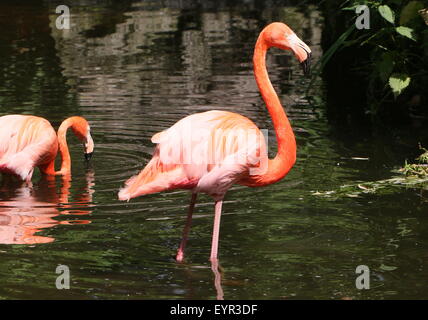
x,y
27,142
207,152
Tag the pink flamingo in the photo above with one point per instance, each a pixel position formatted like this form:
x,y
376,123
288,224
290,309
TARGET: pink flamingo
x,y
27,142
209,152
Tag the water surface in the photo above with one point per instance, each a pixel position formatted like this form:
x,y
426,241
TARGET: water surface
x,y
134,69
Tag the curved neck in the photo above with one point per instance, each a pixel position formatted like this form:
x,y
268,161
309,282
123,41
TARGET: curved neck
x,y
286,156
63,147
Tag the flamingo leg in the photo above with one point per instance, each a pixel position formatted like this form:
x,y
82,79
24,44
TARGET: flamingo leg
x,y
216,230
180,252
28,180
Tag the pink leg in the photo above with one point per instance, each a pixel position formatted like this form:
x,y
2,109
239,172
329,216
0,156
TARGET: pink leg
x,y
216,230
180,252
28,180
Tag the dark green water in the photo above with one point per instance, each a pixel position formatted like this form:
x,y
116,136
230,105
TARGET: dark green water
x,y
134,69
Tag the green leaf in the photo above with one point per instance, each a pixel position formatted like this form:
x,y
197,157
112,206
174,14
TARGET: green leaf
x,y
387,268
398,82
352,8
407,32
387,13
410,11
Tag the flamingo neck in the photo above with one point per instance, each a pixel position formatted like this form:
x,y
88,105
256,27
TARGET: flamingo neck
x,y
63,147
286,155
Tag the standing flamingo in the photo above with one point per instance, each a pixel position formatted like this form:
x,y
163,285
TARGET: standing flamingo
x,y
27,142
209,152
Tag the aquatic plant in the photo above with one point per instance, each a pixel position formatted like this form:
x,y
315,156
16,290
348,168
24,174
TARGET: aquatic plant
x,y
419,169
410,175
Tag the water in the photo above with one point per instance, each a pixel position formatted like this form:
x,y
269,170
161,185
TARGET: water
x,y
134,69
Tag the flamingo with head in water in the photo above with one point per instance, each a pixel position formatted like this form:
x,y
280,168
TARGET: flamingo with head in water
x,y
27,142
209,152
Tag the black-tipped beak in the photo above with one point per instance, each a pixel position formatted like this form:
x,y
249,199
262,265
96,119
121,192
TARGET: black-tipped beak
x,y
306,64
88,156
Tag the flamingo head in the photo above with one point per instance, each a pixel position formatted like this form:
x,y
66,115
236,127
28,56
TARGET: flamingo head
x,y
279,35
82,131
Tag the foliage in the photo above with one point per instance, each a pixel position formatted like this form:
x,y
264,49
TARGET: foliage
x,y
397,40
419,169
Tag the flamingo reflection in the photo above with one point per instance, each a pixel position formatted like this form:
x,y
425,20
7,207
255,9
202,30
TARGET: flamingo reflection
x,y
218,275
26,209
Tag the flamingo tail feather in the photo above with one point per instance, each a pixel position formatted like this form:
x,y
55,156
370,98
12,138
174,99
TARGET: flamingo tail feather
x,y
155,177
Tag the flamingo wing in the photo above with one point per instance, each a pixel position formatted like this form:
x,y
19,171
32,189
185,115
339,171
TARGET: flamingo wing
x,y
25,142
208,151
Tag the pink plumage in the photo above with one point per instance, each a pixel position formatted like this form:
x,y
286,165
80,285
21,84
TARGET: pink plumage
x,y
206,151
27,142
209,152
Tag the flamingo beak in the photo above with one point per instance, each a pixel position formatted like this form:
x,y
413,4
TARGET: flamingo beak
x,y
306,64
89,147
88,156
302,52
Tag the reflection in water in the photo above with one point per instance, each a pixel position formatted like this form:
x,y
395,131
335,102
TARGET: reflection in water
x,y
25,209
217,270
